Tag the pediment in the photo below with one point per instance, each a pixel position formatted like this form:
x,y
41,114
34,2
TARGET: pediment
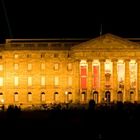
x,y
107,42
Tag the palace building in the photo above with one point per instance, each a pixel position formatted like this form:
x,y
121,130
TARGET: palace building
x,y
39,71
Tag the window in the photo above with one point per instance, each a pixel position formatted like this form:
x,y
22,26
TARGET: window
x,y
42,55
29,81
0,56
16,56
69,81
16,81
56,55
29,66
43,97
1,98
56,96
56,66
69,66
1,67
42,80
42,66
29,96
16,96
28,55
1,81
56,81
16,66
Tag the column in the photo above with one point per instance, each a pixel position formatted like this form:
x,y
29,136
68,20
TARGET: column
x,y
138,81
102,80
127,81
89,84
77,81
115,81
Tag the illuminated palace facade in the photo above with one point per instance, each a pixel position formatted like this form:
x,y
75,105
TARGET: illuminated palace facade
x,y
39,71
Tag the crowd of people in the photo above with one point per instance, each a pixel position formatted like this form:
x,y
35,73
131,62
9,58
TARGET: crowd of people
x,y
103,119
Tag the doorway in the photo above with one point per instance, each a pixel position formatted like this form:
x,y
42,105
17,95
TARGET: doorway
x,y
95,96
120,96
107,96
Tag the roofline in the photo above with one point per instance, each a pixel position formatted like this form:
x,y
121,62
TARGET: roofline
x,y
46,40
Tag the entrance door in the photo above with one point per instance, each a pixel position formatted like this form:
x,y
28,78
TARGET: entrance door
x,y
120,96
95,96
107,96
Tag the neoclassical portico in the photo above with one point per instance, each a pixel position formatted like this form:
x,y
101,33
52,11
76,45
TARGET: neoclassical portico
x,y
118,65
110,85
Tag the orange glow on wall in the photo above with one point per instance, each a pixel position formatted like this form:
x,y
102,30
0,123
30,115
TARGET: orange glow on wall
x,y
83,77
95,77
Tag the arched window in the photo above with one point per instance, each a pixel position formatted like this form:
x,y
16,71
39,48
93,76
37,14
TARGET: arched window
x,y
29,96
43,97
56,96
16,96
107,96
95,96
132,96
1,98
119,96
69,96
83,96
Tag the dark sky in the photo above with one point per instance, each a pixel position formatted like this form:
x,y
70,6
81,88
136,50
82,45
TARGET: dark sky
x,y
69,19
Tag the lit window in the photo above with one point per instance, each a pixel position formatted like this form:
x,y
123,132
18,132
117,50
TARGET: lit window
x,y
69,66
42,55
56,80
1,98
56,66
56,55
1,81
69,96
16,56
42,66
16,66
1,67
42,80
16,80
83,96
56,96
69,81
29,66
43,97
29,96
29,81
16,96
28,55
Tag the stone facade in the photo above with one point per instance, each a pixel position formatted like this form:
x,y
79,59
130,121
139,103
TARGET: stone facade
x,y
34,71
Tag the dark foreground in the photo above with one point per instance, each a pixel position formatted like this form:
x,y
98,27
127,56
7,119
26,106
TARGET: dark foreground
x,y
113,121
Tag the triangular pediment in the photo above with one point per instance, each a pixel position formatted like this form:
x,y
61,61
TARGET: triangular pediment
x,y
107,41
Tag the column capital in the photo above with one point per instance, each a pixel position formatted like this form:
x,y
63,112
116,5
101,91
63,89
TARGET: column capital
x,y
114,60
126,60
102,60
89,60
77,60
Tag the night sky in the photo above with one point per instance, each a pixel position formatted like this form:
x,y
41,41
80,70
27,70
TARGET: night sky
x,y
69,19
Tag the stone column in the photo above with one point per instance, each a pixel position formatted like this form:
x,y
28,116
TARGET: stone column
x,y
115,81
127,81
102,80
138,81
76,81
89,83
